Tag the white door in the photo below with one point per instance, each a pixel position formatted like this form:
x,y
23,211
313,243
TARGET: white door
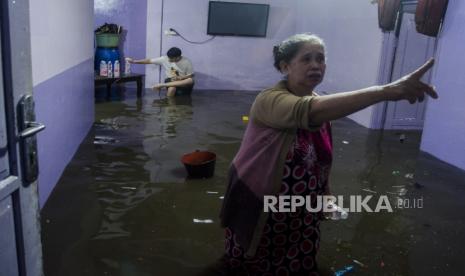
x,y
20,246
413,50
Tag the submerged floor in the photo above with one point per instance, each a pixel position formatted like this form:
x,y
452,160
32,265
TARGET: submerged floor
x,y
125,207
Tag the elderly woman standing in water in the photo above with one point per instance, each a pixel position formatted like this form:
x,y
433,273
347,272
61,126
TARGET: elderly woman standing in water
x,y
287,150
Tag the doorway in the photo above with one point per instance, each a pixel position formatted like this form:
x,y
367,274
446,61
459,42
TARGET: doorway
x,y
404,50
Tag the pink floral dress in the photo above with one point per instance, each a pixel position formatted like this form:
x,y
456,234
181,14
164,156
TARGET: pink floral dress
x,y
290,241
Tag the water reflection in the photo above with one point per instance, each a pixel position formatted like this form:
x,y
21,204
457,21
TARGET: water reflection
x,y
126,208
120,186
119,183
173,110
162,142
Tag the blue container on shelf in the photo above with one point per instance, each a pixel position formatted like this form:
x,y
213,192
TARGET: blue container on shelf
x,y
106,54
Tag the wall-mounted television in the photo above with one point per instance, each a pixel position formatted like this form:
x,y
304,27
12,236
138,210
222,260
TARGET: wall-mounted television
x,y
237,19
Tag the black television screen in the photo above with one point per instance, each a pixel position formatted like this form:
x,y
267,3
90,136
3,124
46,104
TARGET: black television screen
x,y
237,19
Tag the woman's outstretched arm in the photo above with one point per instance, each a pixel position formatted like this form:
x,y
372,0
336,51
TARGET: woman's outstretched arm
x,y
335,106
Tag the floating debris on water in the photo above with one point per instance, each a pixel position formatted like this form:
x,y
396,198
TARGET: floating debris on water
x,y
395,172
245,118
345,142
129,188
409,176
104,140
221,197
202,220
399,192
212,193
110,124
343,271
369,191
402,138
359,263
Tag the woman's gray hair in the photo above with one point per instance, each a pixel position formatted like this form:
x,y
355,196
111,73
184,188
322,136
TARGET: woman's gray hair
x,y
286,50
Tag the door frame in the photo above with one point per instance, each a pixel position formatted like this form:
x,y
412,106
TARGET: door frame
x,y
386,66
17,81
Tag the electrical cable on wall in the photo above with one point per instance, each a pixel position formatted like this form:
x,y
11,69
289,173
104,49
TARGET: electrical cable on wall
x,y
161,38
193,42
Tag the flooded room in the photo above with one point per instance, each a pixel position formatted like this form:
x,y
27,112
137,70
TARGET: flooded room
x,y
257,137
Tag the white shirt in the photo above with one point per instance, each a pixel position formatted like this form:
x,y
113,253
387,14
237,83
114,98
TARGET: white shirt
x,y
181,68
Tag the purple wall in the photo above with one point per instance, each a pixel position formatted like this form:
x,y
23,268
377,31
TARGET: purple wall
x,y
62,74
444,128
132,15
244,63
65,104
226,62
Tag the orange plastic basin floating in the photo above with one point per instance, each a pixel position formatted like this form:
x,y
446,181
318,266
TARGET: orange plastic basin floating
x,y
199,164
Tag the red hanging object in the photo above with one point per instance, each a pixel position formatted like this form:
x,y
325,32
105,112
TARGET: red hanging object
x,y
387,14
429,16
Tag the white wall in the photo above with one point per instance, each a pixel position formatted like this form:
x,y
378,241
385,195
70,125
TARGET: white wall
x,y
154,38
353,44
55,46
444,128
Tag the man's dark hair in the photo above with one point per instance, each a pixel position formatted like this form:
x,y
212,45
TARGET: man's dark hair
x,y
174,52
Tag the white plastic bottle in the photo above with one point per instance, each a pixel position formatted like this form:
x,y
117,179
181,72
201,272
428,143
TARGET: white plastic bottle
x,y
127,67
110,70
339,214
116,70
335,212
103,69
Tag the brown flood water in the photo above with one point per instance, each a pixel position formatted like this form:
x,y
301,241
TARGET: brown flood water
x,y
125,207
